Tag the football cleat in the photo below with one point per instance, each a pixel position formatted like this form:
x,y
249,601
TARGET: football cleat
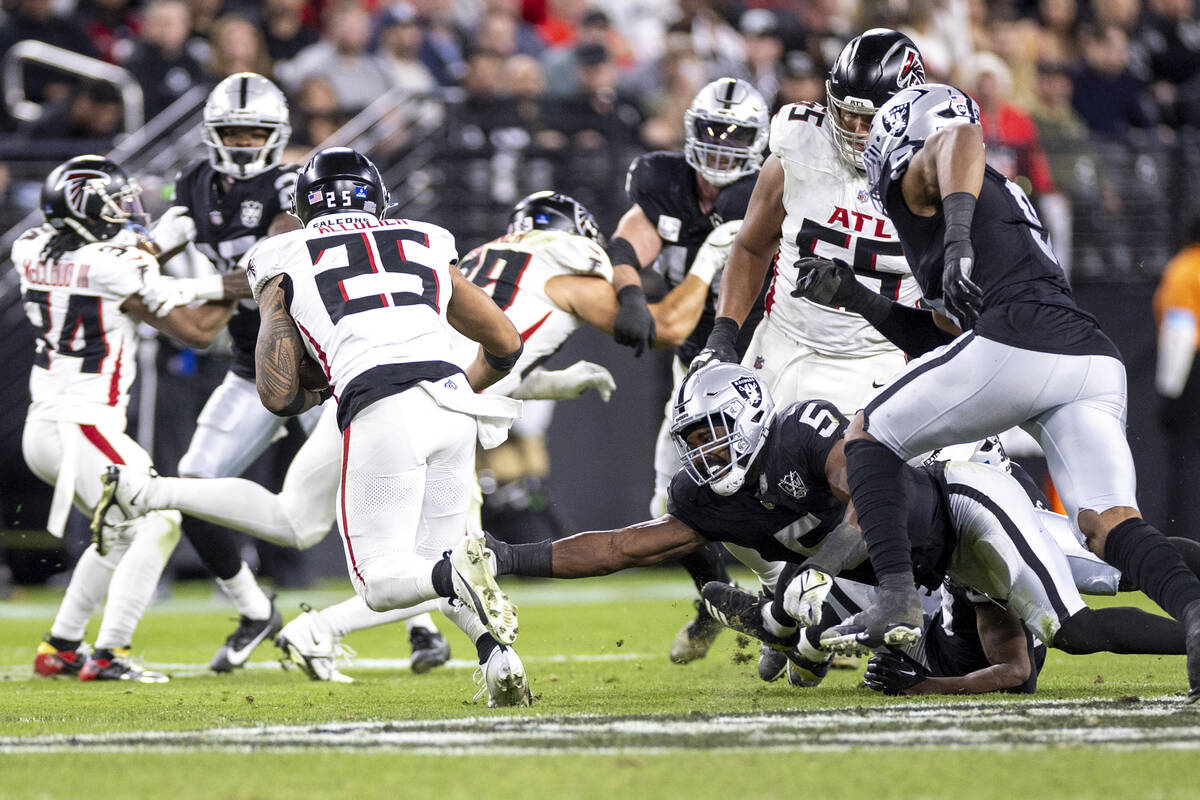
x,y
771,663
474,585
694,639
116,665
502,678
50,662
802,672
308,643
895,620
1191,627
248,635
743,612
429,649
121,501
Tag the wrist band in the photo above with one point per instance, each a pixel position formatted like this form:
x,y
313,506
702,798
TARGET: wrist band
x,y
620,251
503,363
958,209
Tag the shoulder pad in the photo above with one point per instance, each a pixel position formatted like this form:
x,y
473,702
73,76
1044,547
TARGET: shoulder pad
x,y
799,133
650,172
572,252
267,259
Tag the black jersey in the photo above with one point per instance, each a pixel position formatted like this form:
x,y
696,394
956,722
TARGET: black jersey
x,y
231,216
1026,300
664,186
790,486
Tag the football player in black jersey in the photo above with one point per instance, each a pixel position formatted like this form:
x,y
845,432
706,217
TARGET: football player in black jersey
x,y
1028,356
680,203
776,482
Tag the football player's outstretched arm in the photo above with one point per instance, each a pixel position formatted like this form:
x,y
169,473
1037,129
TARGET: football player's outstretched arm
x,y
636,229
193,326
642,545
475,315
278,354
1004,644
755,245
591,298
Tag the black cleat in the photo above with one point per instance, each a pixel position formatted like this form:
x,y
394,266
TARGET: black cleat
x,y
802,672
429,649
250,633
694,639
771,663
895,619
741,611
1191,628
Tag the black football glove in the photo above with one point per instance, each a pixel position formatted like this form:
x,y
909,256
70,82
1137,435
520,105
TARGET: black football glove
x,y
634,326
891,674
721,345
830,283
961,295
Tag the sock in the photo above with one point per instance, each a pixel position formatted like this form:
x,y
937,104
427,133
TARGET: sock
x,y
776,620
247,596
217,548
136,577
873,472
422,620
443,584
64,644
484,646
704,564
353,615
1189,550
532,560
809,645
464,618
1119,630
89,582
1147,558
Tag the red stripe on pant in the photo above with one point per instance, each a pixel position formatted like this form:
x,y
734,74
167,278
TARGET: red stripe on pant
x,y
94,436
345,523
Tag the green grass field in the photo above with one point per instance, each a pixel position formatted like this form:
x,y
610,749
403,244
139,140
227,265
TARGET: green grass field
x,y
611,715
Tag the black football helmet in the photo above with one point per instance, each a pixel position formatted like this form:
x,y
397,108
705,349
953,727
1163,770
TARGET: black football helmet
x,y
554,211
93,197
869,70
337,180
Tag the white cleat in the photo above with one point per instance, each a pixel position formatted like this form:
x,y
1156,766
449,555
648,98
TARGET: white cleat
x,y
307,642
475,586
502,679
121,502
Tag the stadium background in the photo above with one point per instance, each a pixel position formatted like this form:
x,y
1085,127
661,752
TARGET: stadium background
x,y
467,105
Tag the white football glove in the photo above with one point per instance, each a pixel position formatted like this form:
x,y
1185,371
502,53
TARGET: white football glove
x,y
173,229
563,384
161,294
805,596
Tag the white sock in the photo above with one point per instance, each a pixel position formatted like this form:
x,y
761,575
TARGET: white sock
x,y
464,618
86,590
772,625
135,578
809,651
354,615
421,621
247,596
233,502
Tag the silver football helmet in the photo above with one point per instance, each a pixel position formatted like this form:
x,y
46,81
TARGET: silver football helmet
x,y
732,406
726,130
902,125
246,100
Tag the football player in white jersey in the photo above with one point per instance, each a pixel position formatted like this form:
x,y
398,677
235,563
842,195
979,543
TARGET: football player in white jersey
x,y
811,199
368,305
550,274
83,275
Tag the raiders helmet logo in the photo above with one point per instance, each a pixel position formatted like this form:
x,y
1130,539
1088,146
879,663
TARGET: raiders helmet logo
x,y
749,389
912,71
251,213
76,187
895,121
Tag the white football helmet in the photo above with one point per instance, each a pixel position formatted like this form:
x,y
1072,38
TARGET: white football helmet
x,y
726,130
902,125
246,100
732,404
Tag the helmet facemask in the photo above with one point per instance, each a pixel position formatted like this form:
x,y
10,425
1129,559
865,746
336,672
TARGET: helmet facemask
x,y
725,131
850,144
246,100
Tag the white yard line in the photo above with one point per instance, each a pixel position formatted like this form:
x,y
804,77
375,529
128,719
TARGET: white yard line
x,y
1154,723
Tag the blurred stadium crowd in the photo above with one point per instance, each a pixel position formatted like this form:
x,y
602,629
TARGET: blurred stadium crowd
x,y
1092,106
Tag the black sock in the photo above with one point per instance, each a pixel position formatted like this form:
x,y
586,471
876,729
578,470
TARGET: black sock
x,y
873,472
1119,630
1189,550
63,644
443,584
1147,558
705,564
532,560
484,646
781,617
217,547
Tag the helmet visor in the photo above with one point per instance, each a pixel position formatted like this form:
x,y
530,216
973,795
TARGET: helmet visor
x,y
724,133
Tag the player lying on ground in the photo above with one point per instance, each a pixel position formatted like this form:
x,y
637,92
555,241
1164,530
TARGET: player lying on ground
x,y
777,483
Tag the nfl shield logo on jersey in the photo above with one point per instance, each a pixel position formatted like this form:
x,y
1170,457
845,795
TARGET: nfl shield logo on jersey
x,y
793,484
251,213
216,218
748,388
669,227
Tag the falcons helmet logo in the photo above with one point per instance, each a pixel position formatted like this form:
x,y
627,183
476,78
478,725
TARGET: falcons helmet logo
x,y
77,186
912,71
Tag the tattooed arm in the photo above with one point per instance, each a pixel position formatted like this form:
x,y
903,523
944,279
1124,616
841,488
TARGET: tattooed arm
x,y
278,354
